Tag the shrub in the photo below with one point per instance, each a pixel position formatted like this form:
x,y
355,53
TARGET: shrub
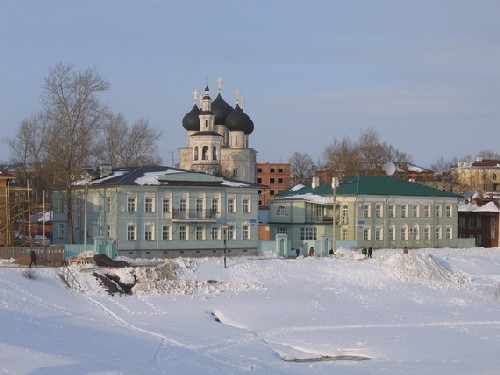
x,y
29,273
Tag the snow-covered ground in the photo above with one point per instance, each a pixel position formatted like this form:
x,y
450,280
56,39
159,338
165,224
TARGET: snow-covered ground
x,y
433,311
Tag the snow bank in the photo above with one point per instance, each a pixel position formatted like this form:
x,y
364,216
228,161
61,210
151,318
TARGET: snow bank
x,y
423,269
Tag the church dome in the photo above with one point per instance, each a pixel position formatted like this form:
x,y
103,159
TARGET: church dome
x,y
237,120
191,121
250,128
221,109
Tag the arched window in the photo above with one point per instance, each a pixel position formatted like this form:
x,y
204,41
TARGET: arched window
x,y
204,153
195,153
214,153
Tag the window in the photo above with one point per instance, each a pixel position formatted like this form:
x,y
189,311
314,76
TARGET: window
x,y
131,204
379,211
281,230
280,170
439,233
308,233
148,204
182,232
166,204
108,204
231,233
404,233
416,210
391,211
392,233
199,232
61,232
345,210
204,153
280,180
416,233
427,211
182,205
379,234
366,210
438,210
214,233
404,210
259,180
427,232
214,153
149,232
131,232
272,170
281,211
231,206
449,210
367,234
246,205
449,233
215,204
166,233
271,180
245,232
195,151
199,205
344,234
235,172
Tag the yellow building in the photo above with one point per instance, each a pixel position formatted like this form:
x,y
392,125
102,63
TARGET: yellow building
x,y
480,175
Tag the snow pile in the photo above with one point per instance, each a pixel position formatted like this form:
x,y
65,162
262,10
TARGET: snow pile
x,y
423,269
169,278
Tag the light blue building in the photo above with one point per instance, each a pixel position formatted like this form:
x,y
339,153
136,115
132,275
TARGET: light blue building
x,y
160,212
370,211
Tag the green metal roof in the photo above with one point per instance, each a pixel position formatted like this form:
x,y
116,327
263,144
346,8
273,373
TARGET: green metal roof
x,y
371,185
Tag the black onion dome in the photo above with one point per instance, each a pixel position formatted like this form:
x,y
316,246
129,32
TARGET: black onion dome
x,y
250,128
191,121
221,109
237,120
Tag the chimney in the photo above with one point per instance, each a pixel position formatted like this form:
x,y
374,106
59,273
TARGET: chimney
x,y
105,170
315,182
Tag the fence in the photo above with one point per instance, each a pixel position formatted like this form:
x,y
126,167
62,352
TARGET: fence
x,y
47,256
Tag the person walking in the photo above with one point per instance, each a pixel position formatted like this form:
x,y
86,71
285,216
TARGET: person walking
x,y
370,252
32,258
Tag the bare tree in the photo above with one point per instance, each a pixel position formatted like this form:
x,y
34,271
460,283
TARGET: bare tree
x,y
28,151
302,168
366,156
76,117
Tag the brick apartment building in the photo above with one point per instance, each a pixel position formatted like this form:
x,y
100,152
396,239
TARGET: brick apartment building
x,y
276,176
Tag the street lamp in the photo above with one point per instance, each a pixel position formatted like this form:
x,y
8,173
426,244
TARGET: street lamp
x,y
335,184
224,232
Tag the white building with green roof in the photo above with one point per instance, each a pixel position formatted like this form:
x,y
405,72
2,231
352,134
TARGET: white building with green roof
x,y
370,211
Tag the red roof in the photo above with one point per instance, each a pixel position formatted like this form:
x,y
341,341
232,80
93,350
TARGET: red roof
x,y
486,163
4,174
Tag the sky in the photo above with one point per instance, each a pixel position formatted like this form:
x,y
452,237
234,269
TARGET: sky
x,y
432,311
424,74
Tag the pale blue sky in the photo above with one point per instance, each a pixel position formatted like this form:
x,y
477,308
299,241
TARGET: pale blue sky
x,y
424,74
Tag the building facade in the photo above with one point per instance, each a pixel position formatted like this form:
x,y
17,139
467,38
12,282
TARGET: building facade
x,y
160,212
276,176
480,175
370,211
218,139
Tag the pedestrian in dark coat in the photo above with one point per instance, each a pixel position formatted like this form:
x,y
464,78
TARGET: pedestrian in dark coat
x,y
32,258
370,252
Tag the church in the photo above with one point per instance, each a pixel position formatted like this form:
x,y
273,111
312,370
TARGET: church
x,y
218,139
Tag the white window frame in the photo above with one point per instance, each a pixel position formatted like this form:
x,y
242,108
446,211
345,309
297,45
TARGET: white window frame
x,y
166,232
149,203
149,231
245,232
131,204
131,232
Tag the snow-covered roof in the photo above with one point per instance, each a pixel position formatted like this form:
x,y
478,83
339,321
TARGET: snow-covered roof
x,y
488,207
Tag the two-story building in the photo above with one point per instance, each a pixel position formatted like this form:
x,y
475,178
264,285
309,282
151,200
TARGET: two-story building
x,y
370,211
159,212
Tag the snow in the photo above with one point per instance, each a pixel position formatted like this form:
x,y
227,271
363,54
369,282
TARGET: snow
x,y
470,207
432,311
